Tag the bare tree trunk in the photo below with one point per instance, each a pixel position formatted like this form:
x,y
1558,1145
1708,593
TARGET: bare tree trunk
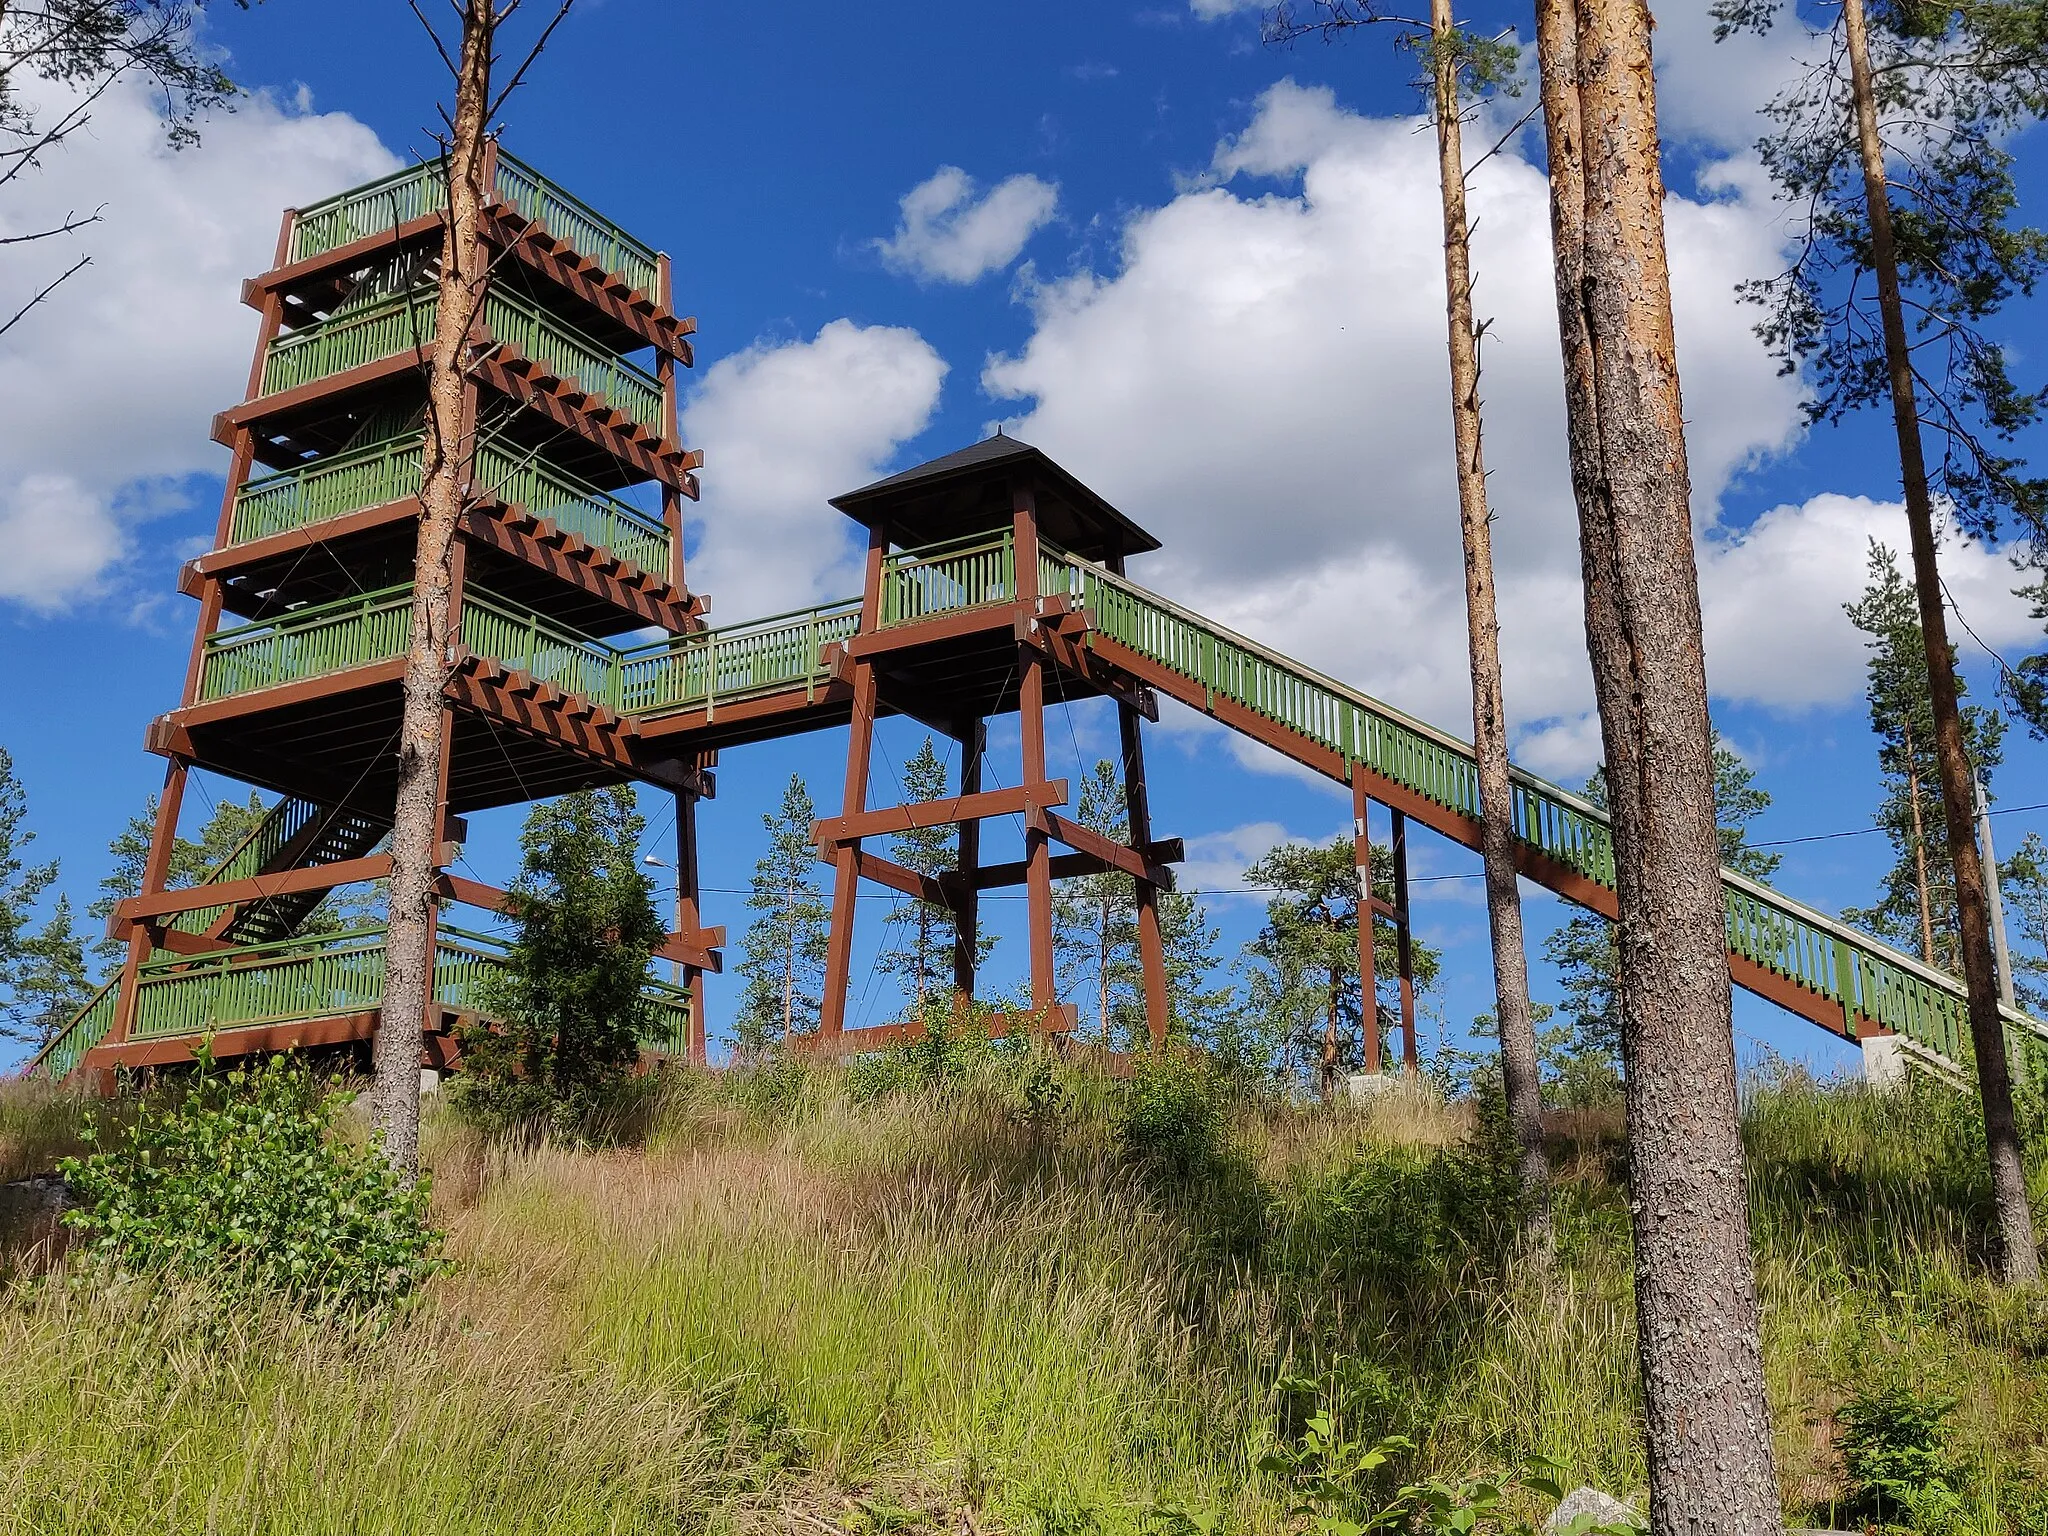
x,y
1706,1416
2019,1260
1102,970
1919,851
1519,1074
789,967
422,778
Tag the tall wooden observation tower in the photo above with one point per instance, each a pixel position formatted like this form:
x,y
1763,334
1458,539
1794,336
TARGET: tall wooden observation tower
x,y
294,678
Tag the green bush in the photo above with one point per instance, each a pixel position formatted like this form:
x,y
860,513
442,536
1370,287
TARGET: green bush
x,y
1895,1453
239,1179
1175,1116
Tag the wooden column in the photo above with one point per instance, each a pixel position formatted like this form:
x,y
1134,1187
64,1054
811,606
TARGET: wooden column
x,y
1138,813
689,919
1368,965
665,374
859,749
1404,946
967,914
1031,723
156,874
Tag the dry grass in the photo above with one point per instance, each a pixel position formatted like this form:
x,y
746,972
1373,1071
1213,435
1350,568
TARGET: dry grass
x,y
792,1311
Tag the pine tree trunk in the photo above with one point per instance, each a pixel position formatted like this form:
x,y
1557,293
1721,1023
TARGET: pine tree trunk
x,y
789,966
1706,1417
1519,1073
416,823
2019,1260
1919,851
1329,1071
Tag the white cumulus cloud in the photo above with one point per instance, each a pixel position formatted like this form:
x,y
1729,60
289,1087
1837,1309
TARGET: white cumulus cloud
x,y
108,387
1261,380
948,234
783,426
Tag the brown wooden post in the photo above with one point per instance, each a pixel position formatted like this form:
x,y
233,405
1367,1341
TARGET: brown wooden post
x,y
1404,946
1031,720
156,874
1368,968
859,748
689,918
671,431
1151,944
967,914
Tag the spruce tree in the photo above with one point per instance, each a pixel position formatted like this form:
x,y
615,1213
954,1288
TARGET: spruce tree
x,y
2025,877
50,982
783,952
568,996
21,883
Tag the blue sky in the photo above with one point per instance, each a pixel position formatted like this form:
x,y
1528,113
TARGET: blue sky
x,y
1198,271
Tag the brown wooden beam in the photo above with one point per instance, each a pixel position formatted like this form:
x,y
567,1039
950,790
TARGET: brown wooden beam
x,y
264,1038
1113,854
1066,866
229,893
1061,1018
938,813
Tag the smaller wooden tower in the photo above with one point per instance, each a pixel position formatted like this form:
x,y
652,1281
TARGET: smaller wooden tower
x,y
969,610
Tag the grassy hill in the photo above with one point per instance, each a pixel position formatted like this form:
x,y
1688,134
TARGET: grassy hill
x,y
1011,1296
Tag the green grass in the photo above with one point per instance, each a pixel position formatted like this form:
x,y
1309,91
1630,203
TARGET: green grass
x,y
798,1306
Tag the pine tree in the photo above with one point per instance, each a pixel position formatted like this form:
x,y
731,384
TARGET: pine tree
x,y
50,982
1917,909
1895,149
784,948
2025,877
923,932
1095,917
1303,967
1201,1014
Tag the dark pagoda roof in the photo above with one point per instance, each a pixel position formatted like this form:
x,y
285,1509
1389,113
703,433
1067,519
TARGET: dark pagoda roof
x,y
968,492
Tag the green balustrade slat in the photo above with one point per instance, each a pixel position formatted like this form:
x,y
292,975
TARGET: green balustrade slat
x,y
87,1028
400,324
310,643
920,583
348,341
600,519
573,355
347,482
575,221
421,189
524,640
714,666
1774,932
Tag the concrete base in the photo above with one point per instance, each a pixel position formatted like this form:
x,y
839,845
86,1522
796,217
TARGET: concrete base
x,y
1371,1087
430,1081
1884,1062
1581,1502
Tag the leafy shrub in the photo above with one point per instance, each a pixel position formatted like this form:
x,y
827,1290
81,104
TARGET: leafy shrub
x,y
1175,1116
1895,1453
239,1178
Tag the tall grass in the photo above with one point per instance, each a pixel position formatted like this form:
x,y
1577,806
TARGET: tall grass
x,y
802,1302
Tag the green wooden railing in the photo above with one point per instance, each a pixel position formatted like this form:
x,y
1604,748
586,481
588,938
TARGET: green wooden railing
x,y
328,976
1860,976
523,640
308,642
312,493
350,340
390,471
939,578
520,479
88,1027
251,856
575,221
572,355
717,666
405,321
417,190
